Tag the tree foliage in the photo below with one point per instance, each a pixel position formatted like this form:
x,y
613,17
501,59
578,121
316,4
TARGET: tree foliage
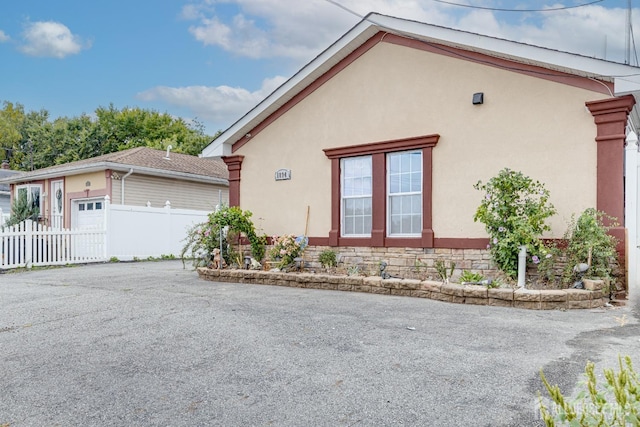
x,y
22,209
32,140
514,211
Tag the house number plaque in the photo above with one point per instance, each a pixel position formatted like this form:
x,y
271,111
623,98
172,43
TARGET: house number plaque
x,y
283,174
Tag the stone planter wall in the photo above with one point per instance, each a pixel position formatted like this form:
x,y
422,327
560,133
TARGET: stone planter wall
x,y
455,293
408,263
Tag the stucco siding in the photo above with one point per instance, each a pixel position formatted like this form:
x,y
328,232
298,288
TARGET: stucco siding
x,y
77,183
140,189
533,125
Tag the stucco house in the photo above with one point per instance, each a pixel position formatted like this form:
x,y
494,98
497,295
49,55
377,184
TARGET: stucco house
x,y
72,195
375,145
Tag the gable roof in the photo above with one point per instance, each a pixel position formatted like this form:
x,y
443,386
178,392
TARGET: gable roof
x,y
142,160
625,78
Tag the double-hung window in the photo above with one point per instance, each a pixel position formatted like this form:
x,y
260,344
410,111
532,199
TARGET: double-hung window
x,y
404,193
381,193
356,183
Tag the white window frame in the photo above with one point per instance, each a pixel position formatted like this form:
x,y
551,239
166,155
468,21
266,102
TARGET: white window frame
x,y
29,188
407,193
363,196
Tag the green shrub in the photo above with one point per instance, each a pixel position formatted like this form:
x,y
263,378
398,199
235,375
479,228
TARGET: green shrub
x,y
203,238
514,211
328,258
617,403
588,234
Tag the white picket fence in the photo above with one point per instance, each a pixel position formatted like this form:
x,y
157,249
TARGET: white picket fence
x,y
127,233
30,244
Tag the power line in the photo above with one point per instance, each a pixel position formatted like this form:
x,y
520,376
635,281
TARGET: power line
x,y
498,9
477,60
345,8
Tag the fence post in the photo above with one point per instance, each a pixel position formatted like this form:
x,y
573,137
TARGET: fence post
x,y
106,227
28,243
169,234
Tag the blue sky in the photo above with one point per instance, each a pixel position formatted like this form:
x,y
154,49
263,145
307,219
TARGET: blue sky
x,y
215,59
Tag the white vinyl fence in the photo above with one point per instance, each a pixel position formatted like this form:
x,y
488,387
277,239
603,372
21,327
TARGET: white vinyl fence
x,y
128,232
142,232
29,244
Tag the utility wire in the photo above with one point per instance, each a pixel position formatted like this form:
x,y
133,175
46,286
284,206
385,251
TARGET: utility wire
x,y
477,60
498,9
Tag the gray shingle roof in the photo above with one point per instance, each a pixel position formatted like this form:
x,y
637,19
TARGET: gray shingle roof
x,y
142,157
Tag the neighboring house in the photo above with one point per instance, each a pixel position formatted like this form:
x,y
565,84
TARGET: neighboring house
x,y
73,194
376,144
5,193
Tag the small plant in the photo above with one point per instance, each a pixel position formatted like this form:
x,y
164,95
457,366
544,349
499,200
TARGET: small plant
x,y
587,238
353,270
546,264
287,248
470,277
615,404
328,258
514,211
443,272
114,259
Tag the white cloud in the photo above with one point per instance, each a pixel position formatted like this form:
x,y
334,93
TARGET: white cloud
x,y
299,30
50,39
3,37
221,105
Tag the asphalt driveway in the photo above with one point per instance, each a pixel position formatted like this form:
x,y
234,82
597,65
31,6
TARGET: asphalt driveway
x,y
149,344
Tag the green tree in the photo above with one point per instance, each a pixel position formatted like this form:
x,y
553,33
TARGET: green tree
x,y
22,209
32,140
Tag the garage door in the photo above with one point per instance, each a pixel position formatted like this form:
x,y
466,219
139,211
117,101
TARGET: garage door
x,y
89,213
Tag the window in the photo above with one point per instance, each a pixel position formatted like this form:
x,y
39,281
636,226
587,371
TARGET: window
x,y
32,192
356,196
381,193
404,186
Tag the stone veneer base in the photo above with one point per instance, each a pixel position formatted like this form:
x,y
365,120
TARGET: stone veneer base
x,y
568,299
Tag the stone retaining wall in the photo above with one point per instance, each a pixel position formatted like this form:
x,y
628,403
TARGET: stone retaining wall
x,y
451,292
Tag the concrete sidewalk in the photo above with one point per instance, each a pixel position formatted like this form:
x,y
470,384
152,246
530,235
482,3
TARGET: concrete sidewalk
x,y
142,344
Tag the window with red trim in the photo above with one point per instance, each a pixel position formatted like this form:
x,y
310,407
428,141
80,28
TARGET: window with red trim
x,y
382,193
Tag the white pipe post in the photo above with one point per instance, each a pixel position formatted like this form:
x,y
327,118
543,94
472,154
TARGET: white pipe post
x,y
522,266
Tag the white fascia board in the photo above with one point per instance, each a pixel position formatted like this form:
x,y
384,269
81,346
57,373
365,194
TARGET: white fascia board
x,y
626,78
314,69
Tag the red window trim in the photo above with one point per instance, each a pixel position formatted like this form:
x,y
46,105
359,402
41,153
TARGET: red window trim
x,y
378,151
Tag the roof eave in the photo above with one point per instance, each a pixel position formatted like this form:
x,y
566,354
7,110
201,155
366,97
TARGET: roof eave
x,y
101,166
626,78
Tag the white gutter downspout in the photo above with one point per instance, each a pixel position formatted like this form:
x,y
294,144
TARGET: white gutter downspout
x,y
122,184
